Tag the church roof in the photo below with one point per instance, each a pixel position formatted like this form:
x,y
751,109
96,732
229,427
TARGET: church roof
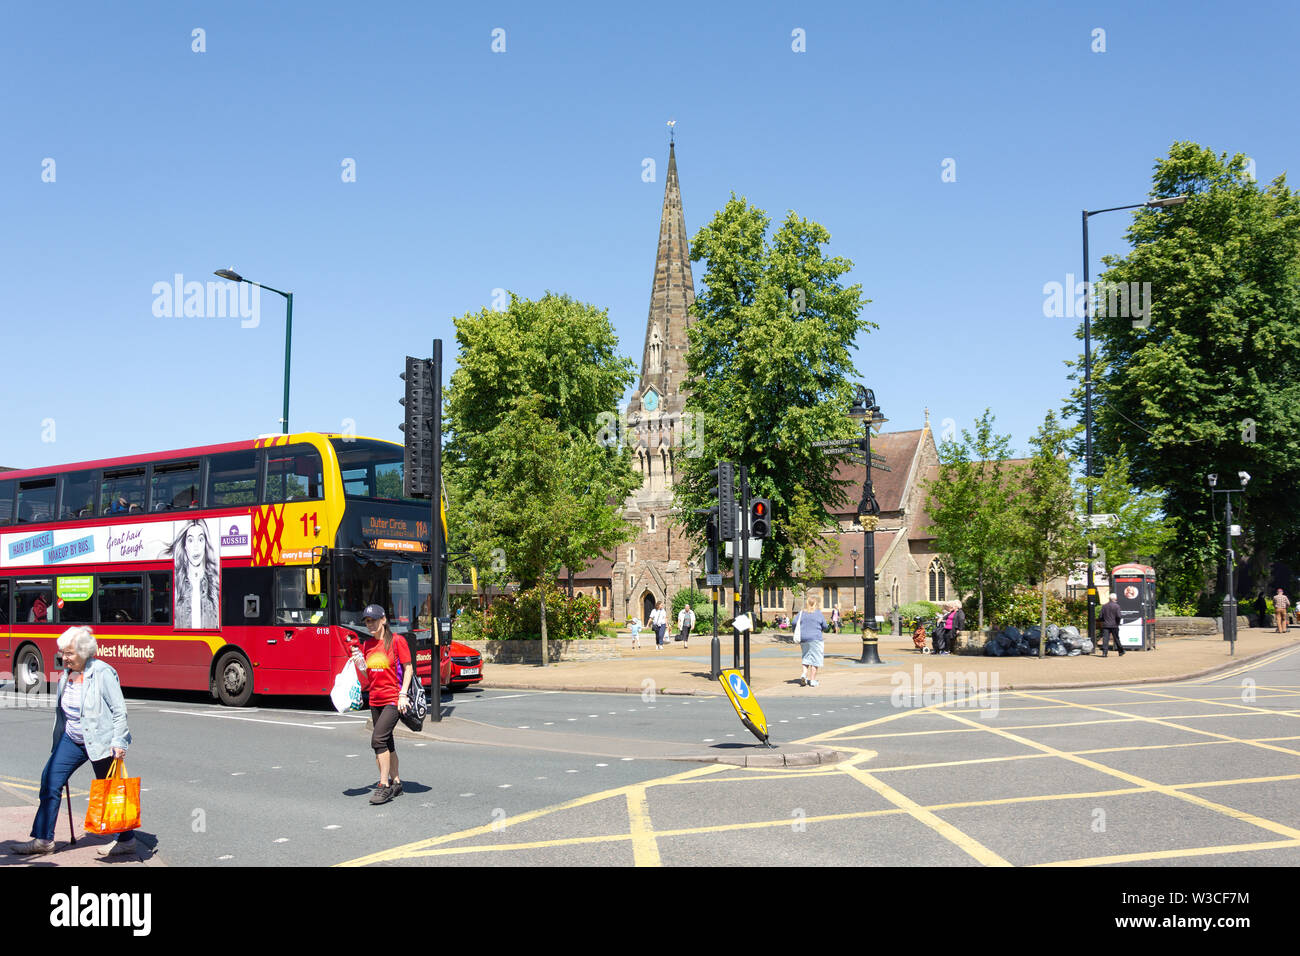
x,y
898,449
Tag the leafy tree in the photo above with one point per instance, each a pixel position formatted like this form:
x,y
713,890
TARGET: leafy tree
x,y
1209,379
562,351
769,363
971,507
546,497
1052,539
531,487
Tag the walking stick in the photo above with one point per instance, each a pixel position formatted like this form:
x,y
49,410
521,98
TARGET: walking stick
x,y
72,833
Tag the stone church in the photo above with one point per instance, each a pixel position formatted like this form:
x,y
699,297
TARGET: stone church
x,y
656,565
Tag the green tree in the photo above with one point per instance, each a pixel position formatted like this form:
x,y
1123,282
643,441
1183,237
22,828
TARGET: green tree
x,y
1052,538
547,497
562,351
769,363
529,486
1209,379
971,505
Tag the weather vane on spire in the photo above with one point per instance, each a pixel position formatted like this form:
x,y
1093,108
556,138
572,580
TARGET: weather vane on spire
x,y
672,131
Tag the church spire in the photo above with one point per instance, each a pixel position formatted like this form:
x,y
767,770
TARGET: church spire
x,y
663,364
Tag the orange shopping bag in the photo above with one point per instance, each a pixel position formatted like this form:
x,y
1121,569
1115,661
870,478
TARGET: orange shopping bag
x,y
114,802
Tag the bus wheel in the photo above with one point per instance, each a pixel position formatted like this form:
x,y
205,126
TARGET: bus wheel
x,y
234,679
29,672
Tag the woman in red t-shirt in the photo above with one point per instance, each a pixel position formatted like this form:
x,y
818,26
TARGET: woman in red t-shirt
x,y
376,663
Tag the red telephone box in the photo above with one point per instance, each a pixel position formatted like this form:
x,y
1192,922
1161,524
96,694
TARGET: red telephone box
x,y
1136,586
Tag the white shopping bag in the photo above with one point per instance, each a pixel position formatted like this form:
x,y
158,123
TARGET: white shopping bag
x,y
346,694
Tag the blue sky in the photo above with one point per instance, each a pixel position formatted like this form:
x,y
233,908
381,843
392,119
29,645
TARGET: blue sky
x,y
477,170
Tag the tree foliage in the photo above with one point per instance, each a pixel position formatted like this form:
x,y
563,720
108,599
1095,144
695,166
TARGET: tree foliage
x,y
972,514
769,365
1209,381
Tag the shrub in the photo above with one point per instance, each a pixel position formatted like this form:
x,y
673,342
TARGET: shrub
x,y
1022,607
519,617
910,613
1182,609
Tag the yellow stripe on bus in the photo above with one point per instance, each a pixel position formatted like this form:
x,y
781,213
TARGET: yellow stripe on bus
x,y
214,641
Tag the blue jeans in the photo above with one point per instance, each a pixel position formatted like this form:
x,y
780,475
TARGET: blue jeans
x,y
63,763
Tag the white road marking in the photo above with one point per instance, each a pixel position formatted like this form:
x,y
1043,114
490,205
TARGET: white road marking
x,y
602,765
625,759
239,773
503,786
282,723
281,840
227,857
467,794
333,826
570,771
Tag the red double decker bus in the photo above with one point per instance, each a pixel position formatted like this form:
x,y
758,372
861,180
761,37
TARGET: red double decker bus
x,y
239,568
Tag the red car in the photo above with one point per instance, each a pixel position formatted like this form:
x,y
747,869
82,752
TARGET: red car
x,y
461,666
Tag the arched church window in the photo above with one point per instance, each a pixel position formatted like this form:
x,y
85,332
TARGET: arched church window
x,y
938,582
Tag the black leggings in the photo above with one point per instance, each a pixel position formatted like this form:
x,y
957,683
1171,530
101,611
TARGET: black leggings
x,y
385,719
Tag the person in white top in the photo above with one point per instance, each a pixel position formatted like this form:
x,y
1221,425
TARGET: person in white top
x,y
685,624
659,621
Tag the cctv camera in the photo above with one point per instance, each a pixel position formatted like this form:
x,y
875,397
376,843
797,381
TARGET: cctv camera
x,y
1214,480
1245,478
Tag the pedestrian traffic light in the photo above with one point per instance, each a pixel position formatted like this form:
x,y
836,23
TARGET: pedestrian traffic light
x,y
760,518
725,493
417,458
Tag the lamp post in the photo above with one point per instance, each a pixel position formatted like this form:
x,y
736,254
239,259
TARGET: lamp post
x,y
867,411
854,554
234,276
1087,387
1231,531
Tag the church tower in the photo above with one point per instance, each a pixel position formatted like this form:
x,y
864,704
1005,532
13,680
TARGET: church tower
x,y
654,566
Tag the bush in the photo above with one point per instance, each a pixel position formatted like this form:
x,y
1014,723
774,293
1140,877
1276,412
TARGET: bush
x,y
519,618
1022,607
909,614
1181,609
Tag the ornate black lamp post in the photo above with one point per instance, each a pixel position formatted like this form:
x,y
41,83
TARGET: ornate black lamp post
x,y
867,411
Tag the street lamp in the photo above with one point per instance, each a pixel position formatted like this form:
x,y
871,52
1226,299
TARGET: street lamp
x,y
867,411
234,276
1087,386
1232,531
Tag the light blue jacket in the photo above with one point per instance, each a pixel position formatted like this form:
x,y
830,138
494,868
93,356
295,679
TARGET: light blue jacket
x,y
103,711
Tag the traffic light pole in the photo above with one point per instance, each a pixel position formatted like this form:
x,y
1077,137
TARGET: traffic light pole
x,y
436,544
747,601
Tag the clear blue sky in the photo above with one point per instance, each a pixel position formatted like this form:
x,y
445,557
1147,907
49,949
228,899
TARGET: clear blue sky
x,y
522,170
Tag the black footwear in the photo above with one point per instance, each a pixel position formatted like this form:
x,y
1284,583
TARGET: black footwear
x,y
381,795
397,788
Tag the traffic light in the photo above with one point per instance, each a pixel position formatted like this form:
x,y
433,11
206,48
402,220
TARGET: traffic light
x,y
725,493
760,518
417,458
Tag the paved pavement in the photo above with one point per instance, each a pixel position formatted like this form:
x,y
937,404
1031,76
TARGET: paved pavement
x,y
774,667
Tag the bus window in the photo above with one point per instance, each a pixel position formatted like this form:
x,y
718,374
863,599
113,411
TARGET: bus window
x,y
123,490
79,489
121,599
36,500
160,597
232,479
35,601
4,605
6,502
293,473
175,485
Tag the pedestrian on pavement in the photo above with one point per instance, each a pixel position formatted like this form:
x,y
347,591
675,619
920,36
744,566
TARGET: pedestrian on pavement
x,y
835,619
1261,610
685,624
1109,623
89,725
659,621
377,664
812,630
954,622
1280,604
634,626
